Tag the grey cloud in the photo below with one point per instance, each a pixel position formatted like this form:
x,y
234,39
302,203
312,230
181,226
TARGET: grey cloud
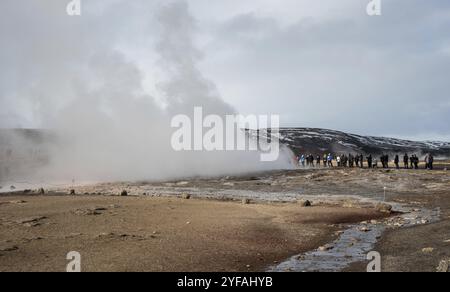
x,y
385,75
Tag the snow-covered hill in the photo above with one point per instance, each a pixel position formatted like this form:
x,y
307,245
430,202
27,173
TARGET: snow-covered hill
x,y
317,141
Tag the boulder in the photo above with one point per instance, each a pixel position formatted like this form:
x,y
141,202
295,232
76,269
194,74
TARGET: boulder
x,y
124,193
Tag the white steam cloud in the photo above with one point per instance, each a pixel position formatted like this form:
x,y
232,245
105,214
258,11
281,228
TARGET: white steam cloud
x,y
69,75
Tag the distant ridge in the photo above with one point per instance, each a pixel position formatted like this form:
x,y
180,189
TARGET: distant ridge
x,y
317,141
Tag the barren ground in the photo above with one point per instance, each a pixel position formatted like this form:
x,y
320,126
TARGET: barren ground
x,y
155,229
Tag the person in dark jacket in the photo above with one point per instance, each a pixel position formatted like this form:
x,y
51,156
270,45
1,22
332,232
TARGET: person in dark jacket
x,y
397,162
416,161
406,161
430,162
382,160
369,160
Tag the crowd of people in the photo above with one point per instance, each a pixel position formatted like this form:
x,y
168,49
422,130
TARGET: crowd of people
x,y
358,160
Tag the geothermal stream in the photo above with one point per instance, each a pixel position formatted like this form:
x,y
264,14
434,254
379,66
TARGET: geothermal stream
x,y
355,243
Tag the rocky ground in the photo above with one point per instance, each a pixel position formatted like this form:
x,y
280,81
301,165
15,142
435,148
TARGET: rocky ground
x,y
247,223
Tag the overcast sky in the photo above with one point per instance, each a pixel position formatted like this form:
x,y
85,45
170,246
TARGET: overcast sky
x,y
317,63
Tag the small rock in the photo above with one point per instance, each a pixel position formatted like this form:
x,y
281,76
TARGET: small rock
x,y
364,229
186,196
443,266
383,208
9,248
246,201
30,220
339,233
17,202
104,234
87,212
34,239
100,209
124,193
447,241
325,248
72,192
348,205
305,203
428,250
